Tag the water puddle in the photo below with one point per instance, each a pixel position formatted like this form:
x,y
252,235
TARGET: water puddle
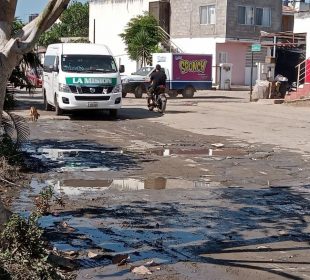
x,y
74,187
80,156
223,152
90,189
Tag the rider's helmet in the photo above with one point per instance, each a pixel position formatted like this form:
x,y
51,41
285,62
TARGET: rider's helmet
x,y
158,67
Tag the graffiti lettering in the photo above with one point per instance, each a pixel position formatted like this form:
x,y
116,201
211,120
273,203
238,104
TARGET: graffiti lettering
x,y
198,66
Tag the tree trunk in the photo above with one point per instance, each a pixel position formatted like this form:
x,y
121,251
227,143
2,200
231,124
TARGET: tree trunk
x,y
8,60
12,47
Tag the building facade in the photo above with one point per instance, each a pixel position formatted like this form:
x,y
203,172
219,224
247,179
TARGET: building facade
x,y
226,29
302,24
108,19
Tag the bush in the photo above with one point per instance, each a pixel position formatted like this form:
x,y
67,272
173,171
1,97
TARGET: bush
x,y
22,251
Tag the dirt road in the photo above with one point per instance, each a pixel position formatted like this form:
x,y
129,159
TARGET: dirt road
x,y
217,188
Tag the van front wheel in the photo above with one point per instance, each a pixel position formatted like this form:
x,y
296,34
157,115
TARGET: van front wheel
x,y
58,110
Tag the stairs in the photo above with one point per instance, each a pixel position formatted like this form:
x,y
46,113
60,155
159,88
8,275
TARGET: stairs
x,y
303,83
166,43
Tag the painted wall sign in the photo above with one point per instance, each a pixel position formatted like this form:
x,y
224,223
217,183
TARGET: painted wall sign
x,y
192,67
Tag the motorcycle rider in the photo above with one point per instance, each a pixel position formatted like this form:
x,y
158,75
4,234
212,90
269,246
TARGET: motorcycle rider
x,y
158,81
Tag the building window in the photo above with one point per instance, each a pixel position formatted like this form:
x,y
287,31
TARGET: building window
x,y
263,16
222,57
207,14
246,15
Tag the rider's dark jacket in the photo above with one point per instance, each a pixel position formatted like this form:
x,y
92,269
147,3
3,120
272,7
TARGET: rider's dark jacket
x,y
158,78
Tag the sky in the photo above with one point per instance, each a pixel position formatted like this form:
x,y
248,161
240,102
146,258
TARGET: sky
x,y
27,7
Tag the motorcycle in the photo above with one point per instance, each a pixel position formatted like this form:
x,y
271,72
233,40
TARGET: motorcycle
x,y
157,99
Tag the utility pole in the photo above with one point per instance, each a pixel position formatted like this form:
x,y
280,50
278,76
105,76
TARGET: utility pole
x,y
254,48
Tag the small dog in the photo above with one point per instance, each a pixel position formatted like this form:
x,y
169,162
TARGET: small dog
x,y
34,115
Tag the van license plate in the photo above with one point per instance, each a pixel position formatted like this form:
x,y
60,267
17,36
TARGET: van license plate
x,y
92,104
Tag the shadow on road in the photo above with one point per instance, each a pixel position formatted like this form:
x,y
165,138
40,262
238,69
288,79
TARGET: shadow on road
x,y
25,101
208,97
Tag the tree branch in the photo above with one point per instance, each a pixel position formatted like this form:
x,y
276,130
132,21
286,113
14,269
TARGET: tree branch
x,y
10,183
32,31
7,13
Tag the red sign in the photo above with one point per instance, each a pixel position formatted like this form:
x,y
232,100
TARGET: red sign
x,y
307,78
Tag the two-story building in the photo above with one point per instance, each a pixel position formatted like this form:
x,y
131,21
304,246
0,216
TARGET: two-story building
x,y
226,29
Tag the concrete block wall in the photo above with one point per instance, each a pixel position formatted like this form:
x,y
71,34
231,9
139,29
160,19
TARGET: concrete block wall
x,y
185,19
236,30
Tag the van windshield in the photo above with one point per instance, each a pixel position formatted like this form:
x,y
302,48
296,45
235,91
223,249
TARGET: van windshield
x,y
88,63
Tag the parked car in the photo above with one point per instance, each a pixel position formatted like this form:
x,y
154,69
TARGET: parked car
x,y
35,77
137,82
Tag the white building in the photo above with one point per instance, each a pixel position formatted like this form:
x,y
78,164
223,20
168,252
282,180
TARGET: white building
x,y
108,19
302,25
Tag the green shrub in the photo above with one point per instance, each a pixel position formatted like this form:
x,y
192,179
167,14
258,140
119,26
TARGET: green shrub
x,y
22,251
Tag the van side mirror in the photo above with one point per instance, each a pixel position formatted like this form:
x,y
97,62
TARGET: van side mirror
x,y
56,68
121,68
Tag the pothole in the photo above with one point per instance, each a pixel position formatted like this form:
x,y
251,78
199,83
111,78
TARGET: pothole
x,y
89,189
224,152
79,156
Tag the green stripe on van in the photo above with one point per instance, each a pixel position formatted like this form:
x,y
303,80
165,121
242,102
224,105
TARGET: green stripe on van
x,y
90,81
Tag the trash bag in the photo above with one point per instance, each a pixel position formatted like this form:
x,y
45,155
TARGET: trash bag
x,y
261,90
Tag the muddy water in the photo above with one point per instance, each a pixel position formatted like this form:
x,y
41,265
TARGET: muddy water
x,y
66,156
225,152
171,220
170,227
88,189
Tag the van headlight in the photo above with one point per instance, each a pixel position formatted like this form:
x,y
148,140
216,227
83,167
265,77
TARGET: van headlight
x,y
117,89
64,88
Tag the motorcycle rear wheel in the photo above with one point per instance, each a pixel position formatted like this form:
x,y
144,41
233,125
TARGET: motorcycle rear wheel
x,y
149,104
162,102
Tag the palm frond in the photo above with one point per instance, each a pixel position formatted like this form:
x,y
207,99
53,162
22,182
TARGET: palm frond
x,y
7,126
15,126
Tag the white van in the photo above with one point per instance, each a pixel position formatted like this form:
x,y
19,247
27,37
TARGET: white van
x,y
80,76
